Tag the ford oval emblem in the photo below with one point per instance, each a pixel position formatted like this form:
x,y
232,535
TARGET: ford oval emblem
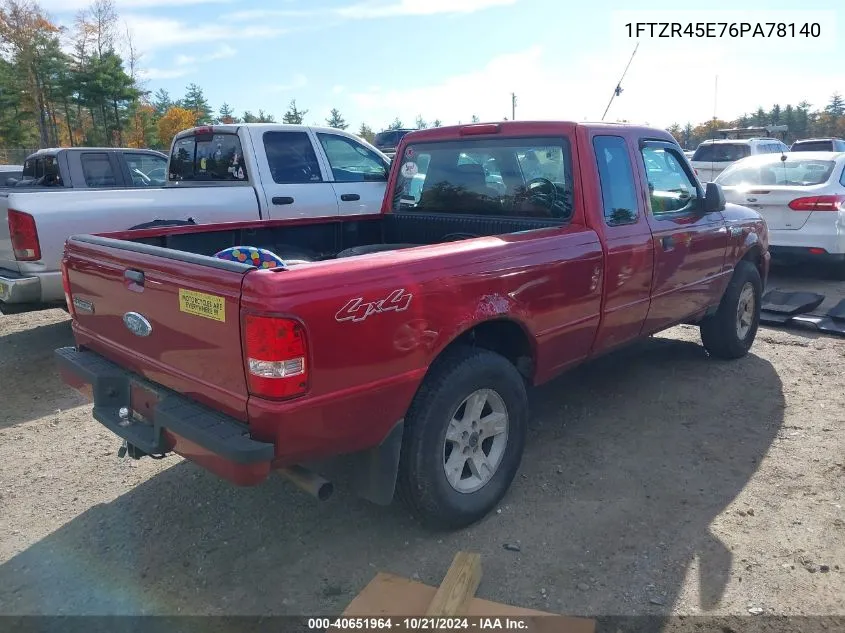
x,y
137,324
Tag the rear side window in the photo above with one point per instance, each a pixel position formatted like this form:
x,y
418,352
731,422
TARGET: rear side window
x,y
500,177
97,170
722,152
619,196
386,139
208,157
291,158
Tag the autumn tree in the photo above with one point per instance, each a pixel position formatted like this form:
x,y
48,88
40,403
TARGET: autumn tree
x,y
174,121
366,133
141,131
336,120
294,115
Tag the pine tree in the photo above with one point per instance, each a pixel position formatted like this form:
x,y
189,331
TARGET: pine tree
x,y
195,101
336,120
226,115
475,118
294,115
437,123
396,125
366,133
421,123
162,101
263,117
836,107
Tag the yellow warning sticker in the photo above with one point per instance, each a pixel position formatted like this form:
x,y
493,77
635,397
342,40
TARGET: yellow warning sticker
x,y
202,304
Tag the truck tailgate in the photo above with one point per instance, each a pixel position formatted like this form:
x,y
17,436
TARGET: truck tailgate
x,y
169,316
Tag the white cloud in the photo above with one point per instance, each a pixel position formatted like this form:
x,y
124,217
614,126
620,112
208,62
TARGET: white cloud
x,y
153,33
298,81
372,10
164,73
223,52
71,6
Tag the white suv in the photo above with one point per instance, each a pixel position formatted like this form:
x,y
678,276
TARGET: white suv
x,y
713,156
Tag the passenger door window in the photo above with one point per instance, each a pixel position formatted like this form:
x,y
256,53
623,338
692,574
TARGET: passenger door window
x,y
146,170
352,162
291,158
671,189
619,195
97,170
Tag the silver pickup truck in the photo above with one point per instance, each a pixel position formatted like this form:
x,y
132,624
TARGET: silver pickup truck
x,y
221,173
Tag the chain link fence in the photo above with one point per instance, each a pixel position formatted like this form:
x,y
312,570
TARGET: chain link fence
x,y
14,156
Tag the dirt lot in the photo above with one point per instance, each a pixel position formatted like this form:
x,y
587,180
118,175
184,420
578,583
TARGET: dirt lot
x,y
655,481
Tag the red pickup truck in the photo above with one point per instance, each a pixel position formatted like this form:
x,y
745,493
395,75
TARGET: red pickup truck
x,y
392,352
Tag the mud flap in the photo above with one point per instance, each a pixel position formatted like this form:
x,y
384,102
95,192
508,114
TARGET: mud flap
x,y
370,474
778,307
831,323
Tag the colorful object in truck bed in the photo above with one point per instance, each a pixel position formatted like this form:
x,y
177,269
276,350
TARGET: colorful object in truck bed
x,y
258,257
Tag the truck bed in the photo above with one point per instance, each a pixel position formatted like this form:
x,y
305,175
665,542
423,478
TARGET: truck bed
x,y
323,239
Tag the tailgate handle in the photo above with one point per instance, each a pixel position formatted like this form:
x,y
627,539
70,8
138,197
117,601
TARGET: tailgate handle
x,y
282,200
135,276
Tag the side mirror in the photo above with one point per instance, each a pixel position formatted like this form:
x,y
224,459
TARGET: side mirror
x,y
714,198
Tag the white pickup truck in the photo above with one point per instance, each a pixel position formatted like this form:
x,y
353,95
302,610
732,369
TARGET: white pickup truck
x,y
214,174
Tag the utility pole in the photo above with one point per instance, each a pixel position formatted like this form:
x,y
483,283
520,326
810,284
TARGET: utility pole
x,y
513,106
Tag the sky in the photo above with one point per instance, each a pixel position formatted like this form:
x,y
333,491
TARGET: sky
x,y
375,60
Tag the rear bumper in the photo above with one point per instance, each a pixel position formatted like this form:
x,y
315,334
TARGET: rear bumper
x,y
162,421
787,254
17,288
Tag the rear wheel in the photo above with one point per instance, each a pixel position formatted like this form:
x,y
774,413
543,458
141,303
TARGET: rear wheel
x,y
464,438
731,331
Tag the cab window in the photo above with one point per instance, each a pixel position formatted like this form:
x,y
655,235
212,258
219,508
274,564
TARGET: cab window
x,y
618,193
671,190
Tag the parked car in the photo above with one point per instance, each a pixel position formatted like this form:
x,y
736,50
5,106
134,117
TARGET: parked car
x,y
818,145
397,348
388,140
215,174
713,156
801,195
88,168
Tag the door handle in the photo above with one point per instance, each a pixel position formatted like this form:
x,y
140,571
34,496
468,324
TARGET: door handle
x,y
135,276
350,197
280,200
667,242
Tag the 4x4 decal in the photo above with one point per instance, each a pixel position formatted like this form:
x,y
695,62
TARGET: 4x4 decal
x,y
357,309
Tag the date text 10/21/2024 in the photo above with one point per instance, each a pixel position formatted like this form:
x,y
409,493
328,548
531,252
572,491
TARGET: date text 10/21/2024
x,y
420,623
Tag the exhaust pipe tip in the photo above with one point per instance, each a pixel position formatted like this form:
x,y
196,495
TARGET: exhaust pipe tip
x,y
325,491
309,481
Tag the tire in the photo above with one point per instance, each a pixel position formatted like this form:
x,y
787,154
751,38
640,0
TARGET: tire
x,y
422,483
725,335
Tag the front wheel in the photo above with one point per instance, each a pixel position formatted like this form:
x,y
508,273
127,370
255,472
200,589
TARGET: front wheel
x,y
464,438
730,332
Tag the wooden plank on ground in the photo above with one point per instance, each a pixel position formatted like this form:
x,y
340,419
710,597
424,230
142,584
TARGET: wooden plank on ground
x,y
458,587
390,595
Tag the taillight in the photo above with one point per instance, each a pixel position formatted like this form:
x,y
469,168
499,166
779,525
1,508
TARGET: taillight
x,y
66,287
817,203
276,356
24,236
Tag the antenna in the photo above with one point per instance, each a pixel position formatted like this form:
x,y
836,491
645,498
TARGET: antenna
x,y
513,106
618,89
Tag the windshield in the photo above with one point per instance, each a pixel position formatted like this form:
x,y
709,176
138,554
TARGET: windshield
x,y
789,173
502,177
207,157
721,152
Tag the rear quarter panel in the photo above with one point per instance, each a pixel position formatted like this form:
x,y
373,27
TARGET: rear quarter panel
x,y
366,364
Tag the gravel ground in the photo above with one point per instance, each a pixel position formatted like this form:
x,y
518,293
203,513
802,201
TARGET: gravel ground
x,y
655,481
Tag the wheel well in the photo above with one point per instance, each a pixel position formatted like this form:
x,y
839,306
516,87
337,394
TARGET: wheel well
x,y
504,337
755,256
